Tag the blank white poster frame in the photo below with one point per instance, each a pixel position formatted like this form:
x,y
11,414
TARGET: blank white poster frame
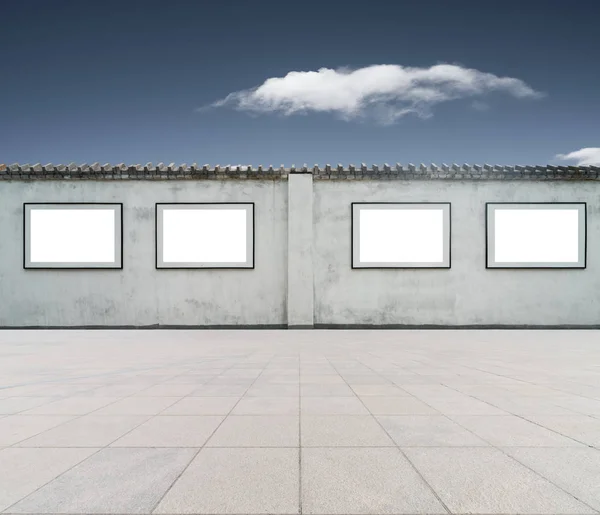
x,y
490,216
117,262
161,207
358,207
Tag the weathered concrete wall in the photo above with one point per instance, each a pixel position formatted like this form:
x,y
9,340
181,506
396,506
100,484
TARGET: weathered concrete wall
x,y
302,273
467,293
300,284
140,295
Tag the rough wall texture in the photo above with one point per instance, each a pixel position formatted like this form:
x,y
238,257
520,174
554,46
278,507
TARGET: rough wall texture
x,y
467,293
279,290
140,295
300,286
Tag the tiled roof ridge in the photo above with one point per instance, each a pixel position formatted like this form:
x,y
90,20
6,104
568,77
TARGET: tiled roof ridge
x,y
177,171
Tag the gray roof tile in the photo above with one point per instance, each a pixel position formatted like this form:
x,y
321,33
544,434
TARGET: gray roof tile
x,y
27,171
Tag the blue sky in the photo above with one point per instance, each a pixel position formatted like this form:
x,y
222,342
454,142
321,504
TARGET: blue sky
x,y
228,82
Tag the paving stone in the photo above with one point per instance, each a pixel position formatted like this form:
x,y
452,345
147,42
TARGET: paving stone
x,y
585,429
530,406
547,377
385,390
257,431
267,406
355,380
24,390
428,431
580,405
167,390
363,481
275,380
22,471
332,406
276,390
72,406
14,428
321,379
426,391
111,481
171,431
188,380
462,405
234,481
484,480
138,406
238,381
529,390
202,406
342,430
86,431
575,470
223,390
110,390
13,405
326,390
398,405
62,390
513,431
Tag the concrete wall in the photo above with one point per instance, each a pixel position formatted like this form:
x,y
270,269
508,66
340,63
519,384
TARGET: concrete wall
x,y
300,251
467,293
140,295
302,273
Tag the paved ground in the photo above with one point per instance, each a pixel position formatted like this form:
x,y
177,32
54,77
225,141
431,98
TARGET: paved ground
x,y
283,422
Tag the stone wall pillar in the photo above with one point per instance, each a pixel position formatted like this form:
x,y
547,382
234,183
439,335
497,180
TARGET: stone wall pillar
x,y
300,290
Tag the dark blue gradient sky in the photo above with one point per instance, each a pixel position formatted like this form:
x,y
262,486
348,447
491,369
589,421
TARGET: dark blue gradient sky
x,y
119,81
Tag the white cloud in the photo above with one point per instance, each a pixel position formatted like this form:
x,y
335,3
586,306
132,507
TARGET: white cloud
x,y
386,92
582,157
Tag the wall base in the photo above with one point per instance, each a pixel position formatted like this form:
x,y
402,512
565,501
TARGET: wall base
x,y
316,326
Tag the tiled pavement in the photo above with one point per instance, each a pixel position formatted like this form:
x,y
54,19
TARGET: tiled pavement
x,y
283,422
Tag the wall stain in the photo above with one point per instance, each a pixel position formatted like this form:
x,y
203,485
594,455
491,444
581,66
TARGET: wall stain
x,y
143,213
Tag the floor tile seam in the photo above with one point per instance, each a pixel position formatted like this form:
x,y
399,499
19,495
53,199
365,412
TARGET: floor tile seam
x,y
300,504
528,382
553,403
490,445
417,471
500,449
54,399
99,449
112,373
575,412
364,365
411,464
148,418
149,415
576,394
527,420
212,378
548,480
71,419
53,479
93,454
466,395
211,383
362,446
277,513
76,415
174,482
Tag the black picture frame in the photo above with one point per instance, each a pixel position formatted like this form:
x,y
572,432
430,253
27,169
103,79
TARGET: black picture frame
x,y
120,239
449,236
524,267
191,267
